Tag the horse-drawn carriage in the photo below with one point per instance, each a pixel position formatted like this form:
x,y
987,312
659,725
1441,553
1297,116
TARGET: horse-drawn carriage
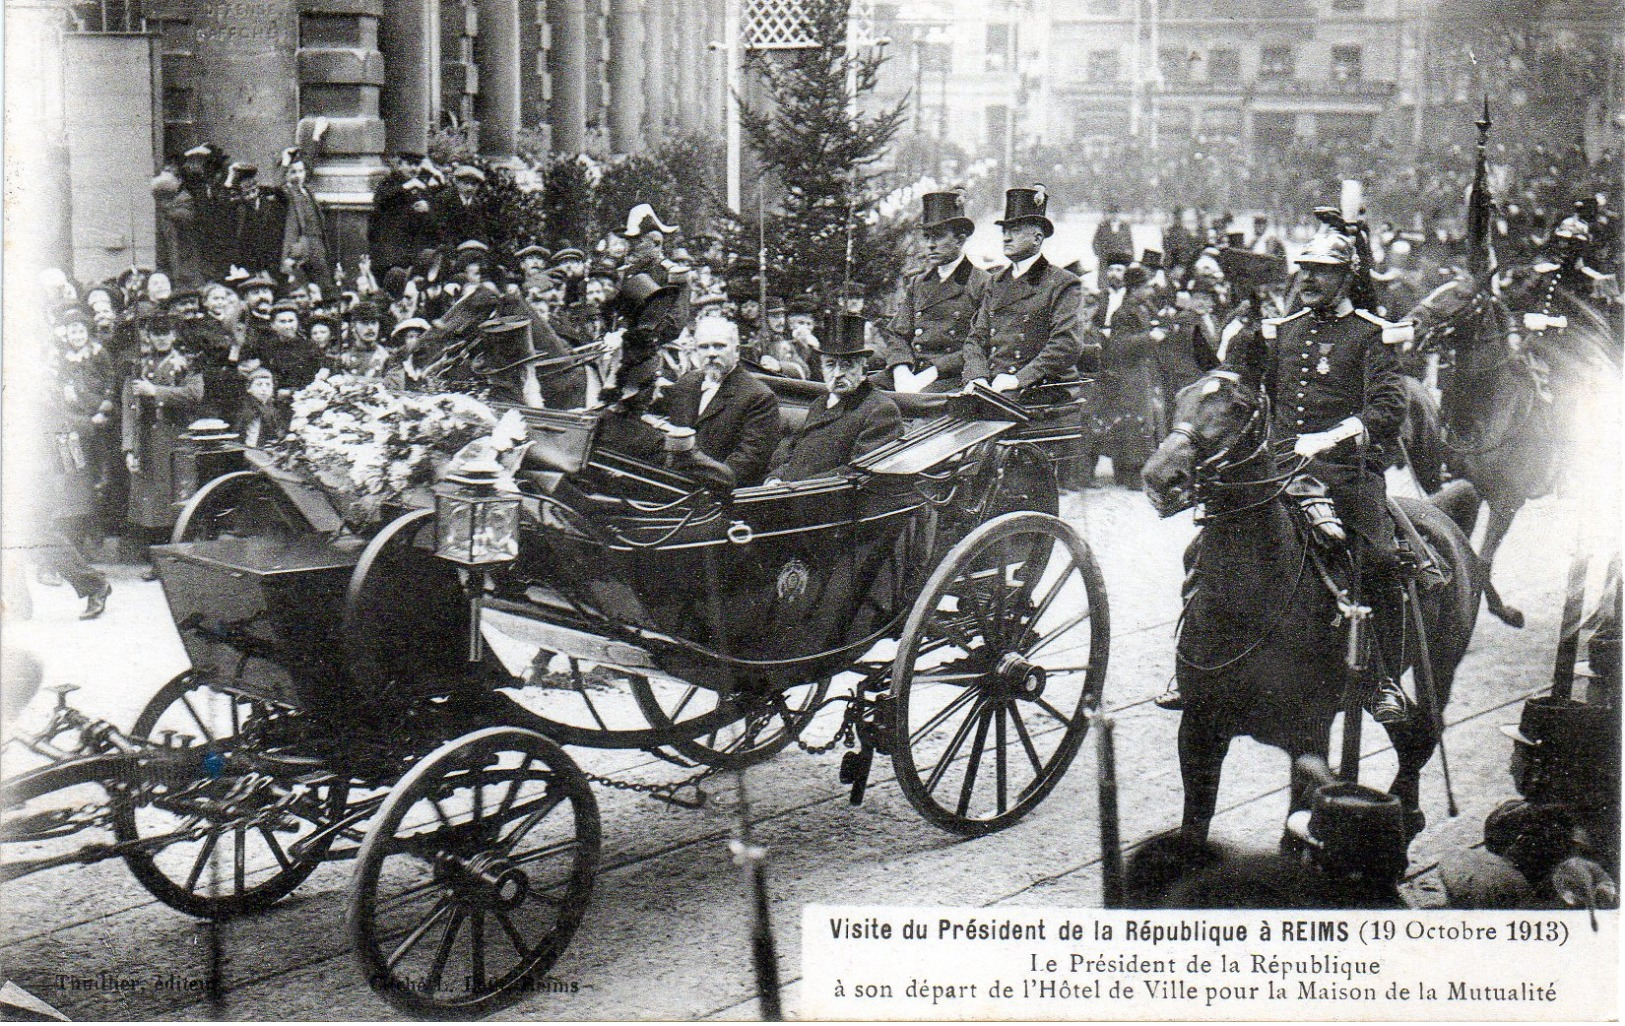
x,y
383,695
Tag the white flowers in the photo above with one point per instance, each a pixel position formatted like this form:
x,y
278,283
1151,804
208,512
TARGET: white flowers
x,y
367,445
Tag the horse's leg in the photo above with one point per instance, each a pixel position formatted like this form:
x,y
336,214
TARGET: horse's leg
x,y
1202,749
1501,514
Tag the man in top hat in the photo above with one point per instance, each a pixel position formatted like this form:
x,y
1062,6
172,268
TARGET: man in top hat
x,y
1112,235
1126,417
927,336
1026,330
463,211
1332,372
734,415
401,223
1357,838
855,419
259,216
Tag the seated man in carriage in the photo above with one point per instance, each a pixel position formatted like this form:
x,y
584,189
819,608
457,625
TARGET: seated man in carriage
x,y
1332,372
735,417
856,419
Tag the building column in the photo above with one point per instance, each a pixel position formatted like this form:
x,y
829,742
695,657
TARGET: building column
x,y
626,69
496,51
341,76
406,38
657,76
567,64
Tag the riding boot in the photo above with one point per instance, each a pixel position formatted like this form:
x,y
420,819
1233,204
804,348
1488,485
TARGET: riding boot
x,y
1388,704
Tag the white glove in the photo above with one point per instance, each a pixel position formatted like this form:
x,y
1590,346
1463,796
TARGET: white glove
x,y
1006,383
1313,444
970,386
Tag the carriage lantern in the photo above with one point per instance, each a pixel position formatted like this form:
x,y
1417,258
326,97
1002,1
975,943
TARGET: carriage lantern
x,y
476,523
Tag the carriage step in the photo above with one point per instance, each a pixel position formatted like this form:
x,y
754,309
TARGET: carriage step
x,y
855,767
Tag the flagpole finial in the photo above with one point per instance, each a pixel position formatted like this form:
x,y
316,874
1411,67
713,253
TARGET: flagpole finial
x,y
1484,122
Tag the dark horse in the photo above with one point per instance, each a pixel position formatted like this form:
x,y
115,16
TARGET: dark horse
x,y
1501,426
1260,652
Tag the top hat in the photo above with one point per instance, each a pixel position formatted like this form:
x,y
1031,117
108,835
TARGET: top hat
x,y
1116,257
1027,206
1152,259
775,304
803,305
848,337
1354,828
945,210
1562,727
1236,240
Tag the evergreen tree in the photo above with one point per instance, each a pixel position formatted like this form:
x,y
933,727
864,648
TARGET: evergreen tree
x,y
822,151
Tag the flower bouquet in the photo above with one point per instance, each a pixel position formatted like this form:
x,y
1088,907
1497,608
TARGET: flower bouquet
x,y
365,445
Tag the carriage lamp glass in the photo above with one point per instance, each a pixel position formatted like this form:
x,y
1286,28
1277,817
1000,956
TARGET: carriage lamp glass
x,y
475,523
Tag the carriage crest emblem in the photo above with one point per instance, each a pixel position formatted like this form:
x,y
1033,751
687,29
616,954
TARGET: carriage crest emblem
x,y
794,577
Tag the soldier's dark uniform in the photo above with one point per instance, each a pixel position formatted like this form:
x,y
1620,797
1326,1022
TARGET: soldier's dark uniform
x,y
1319,371
934,320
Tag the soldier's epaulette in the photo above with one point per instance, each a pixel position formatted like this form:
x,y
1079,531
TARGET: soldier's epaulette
x,y
1270,326
1393,332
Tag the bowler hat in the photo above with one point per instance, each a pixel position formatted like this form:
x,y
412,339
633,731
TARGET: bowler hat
x,y
849,337
366,310
1354,828
945,210
1027,206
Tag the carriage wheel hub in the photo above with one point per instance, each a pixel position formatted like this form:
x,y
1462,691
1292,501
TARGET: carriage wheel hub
x,y
488,879
1024,679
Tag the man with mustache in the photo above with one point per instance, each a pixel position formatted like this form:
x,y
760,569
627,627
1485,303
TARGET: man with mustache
x,y
855,419
734,416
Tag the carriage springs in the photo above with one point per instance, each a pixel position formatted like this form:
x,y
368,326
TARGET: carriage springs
x,y
1205,976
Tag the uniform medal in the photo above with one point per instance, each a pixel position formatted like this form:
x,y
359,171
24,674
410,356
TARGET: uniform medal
x,y
1324,367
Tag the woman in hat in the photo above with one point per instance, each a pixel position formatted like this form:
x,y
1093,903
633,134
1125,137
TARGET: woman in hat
x,y
304,235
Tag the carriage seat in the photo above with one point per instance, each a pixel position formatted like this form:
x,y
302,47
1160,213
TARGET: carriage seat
x,y
797,396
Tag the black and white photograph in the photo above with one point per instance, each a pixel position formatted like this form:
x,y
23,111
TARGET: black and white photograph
x,y
811,509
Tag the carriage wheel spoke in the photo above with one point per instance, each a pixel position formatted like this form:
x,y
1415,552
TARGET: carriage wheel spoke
x,y
952,633
426,924
688,696
948,710
546,851
476,949
1027,741
515,938
236,722
1064,721
947,678
438,970
439,812
592,709
208,735
544,805
953,747
209,842
1049,600
239,870
1001,776
1041,643
975,762
276,848
513,788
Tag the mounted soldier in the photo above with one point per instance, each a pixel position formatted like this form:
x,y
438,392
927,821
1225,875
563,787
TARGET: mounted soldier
x,y
928,334
1332,372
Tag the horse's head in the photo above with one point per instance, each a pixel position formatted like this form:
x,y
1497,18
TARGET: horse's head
x,y
1449,316
1218,423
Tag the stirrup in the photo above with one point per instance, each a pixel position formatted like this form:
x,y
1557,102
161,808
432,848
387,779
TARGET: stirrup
x,y
1388,704
1171,699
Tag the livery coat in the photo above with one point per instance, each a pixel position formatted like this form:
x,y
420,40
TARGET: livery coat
x,y
1027,326
740,426
934,319
829,439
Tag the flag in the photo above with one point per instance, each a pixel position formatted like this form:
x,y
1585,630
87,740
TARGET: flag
x,y
1481,209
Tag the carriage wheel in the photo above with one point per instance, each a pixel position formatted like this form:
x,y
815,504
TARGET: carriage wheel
x,y
243,503
475,874
245,857
762,728
1001,662
405,613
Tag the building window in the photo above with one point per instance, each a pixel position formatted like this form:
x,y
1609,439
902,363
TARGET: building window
x,y
1174,63
1105,8
1276,62
1348,5
1345,64
1103,66
1224,65
998,46
998,123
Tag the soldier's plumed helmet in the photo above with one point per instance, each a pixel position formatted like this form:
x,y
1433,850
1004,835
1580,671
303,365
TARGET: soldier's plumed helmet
x,y
1329,248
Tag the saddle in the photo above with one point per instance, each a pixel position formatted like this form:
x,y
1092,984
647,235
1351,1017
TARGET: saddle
x,y
1417,559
